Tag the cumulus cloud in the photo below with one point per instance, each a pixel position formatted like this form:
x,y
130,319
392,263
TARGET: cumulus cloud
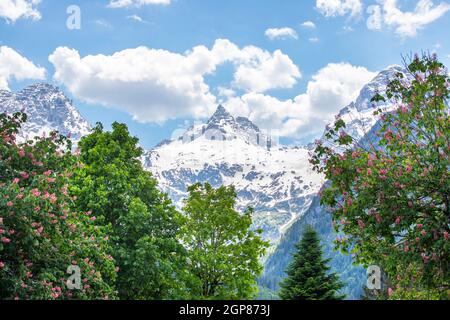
x,y
12,10
13,65
330,89
157,85
333,8
281,33
267,71
308,24
405,24
136,3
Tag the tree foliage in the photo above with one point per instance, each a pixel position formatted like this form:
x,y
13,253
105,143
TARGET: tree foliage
x,y
308,275
390,197
224,252
41,232
144,222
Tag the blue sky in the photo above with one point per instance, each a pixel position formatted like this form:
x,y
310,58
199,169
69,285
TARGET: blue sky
x,y
319,66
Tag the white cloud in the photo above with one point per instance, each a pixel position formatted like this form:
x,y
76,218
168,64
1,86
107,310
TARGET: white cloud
x,y
136,18
267,71
329,90
136,3
157,85
313,39
308,24
226,92
333,8
12,10
404,24
13,65
281,33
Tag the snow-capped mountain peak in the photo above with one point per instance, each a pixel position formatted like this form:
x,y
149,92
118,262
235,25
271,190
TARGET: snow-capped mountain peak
x,y
276,181
47,109
222,126
220,116
359,115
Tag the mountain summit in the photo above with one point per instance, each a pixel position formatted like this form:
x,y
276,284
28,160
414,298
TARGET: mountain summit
x,y
47,109
276,181
222,126
221,115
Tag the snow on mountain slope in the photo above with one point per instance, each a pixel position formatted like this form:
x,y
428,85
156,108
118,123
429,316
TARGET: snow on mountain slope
x,y
47,109
361,124
276,181
358,115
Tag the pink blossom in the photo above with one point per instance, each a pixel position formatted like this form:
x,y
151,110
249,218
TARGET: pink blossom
x,y
35,192
423,233
390,292
9,204
397,220
446,235
403,109
16,180
361,224
21,153
369,172
2,264
24,175
425,257
53,198
47,173
378,218
419,226
5,240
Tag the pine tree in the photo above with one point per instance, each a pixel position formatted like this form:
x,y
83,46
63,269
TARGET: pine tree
x,y
308,276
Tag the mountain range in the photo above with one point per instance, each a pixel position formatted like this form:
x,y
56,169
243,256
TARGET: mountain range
x,y
276,180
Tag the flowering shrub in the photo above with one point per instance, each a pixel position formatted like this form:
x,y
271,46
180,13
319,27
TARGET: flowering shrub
x,y
41,234
390,198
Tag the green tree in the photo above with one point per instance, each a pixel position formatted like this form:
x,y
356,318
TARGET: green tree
x,y
224,252
390,197
41,233
308,276
143,220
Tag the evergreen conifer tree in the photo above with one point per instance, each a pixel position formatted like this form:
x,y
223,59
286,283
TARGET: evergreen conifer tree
x,y
308,276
